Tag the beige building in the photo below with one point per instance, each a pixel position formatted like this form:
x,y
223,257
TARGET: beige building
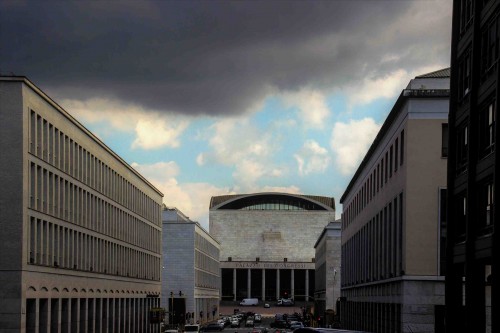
x,y
81,229
393,220
191,270
267,243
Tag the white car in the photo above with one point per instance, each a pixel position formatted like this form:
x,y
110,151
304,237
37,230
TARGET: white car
x,y
257,318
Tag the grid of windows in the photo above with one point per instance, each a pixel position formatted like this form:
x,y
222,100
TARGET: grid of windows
x,y
380,174
207,272
55,194
83,214
52,244
375,252
59,150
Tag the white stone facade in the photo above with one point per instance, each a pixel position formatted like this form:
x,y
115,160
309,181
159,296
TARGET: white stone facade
x,y
328,270
267,243
392,221
81,229
191,267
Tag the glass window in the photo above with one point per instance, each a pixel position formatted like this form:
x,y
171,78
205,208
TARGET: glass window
x,y
462,148
487,128
444,140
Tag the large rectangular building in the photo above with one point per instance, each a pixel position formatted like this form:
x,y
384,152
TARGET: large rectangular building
x,y
191,270
472,282
394,221
267,243
80,240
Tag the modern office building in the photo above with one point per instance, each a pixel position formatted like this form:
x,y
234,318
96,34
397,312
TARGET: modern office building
x,y
394,221
191,271
80,240
267,243
473,272
328,265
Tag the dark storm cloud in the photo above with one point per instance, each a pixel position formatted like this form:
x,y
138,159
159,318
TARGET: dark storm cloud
x,y
205,57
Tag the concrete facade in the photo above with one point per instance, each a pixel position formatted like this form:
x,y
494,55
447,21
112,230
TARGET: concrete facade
x,y
267,243
191,270
328,270
81,230
393,221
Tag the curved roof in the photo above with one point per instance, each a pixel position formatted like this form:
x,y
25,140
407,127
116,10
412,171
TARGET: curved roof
x,y
241,201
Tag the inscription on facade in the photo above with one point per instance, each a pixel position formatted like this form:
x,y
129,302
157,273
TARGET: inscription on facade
x,y
271,265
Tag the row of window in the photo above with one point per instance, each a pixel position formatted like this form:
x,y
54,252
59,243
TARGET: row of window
x,y
483,223
487,138
375,252
56,195
89,314
381,173
53,146
204,279
372,317
54,245
204,245
206,263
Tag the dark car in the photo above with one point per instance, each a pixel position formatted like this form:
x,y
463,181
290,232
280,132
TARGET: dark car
x,y
324,330
279,323
212,327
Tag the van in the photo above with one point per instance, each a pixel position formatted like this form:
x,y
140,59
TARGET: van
x,y
249,301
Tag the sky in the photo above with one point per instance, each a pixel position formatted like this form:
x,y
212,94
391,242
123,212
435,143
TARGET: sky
x,y
209,98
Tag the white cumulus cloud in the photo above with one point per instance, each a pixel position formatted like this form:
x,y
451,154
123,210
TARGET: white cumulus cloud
x,y
312,106
238,143
312,158
350,142
190,198
151,129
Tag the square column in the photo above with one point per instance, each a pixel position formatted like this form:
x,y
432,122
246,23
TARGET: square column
x,y
277,283
249,283
263,284
234,284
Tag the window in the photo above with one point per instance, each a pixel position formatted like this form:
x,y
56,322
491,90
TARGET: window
x,y
396,149
464,75
442,231
466,11
402,148
444,140
462,148
386,166
390,162
487,128
486,197
489,47
460,216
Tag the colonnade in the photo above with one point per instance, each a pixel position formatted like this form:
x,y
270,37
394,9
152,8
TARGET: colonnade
x,y
278,289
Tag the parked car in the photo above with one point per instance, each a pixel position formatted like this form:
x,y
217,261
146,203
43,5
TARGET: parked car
x,y
257,318
249,322
279,323
285,302
212,327
235,322
192,328
295,325
266,305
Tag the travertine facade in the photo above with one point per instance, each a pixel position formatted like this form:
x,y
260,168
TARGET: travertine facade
x,y
328,268
393,221
81,230
267,243
191,270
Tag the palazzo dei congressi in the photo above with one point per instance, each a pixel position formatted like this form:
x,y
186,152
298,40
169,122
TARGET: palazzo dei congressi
x,y
267,243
